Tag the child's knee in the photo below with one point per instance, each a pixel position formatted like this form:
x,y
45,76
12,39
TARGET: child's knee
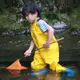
x,y
37,66
33,66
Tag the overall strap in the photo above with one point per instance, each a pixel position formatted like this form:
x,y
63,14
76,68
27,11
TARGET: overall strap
x,y
39,19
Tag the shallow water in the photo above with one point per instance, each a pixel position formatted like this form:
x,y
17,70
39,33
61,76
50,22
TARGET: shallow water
x,y
25,75
13,47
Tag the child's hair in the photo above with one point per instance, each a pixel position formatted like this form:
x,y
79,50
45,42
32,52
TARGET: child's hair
x,y
30,8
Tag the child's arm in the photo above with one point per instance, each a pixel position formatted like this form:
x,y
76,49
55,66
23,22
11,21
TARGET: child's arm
x,y
28,52
31,45
45,27
50,34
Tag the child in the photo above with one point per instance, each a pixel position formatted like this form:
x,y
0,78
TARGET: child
x,y
42,36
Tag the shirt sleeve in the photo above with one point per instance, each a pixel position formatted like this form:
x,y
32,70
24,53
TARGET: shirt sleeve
x,y
43,25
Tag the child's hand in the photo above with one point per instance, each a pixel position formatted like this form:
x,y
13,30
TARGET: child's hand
x,y
27,53
46,45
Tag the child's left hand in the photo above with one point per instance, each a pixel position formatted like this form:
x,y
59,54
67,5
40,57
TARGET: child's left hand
x,y
46,45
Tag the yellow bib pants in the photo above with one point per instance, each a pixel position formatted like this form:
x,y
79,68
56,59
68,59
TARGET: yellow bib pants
x,y
44,56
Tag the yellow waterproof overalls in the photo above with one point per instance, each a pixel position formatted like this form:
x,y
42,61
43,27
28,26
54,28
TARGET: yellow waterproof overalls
x,y
44,56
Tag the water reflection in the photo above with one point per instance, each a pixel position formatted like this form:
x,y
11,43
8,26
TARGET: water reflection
x,y
49,76
25,75
15,73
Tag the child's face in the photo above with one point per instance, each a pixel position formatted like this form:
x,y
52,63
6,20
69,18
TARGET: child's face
x,y
31,17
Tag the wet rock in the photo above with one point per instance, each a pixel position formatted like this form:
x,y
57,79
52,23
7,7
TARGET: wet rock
x,y
60,26
75,33
8,33
15,33
5,33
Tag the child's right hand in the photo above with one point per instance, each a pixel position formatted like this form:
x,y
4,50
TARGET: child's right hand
x,y
27,53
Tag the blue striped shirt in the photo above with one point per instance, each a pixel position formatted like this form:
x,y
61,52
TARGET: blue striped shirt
x,y
43,25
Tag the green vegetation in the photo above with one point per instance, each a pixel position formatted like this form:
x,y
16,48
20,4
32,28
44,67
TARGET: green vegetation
x,y
52,12
10,20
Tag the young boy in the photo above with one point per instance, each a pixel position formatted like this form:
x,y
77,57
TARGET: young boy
x,y
42,36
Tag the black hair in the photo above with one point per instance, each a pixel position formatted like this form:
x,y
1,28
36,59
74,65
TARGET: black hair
x,y
31,8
